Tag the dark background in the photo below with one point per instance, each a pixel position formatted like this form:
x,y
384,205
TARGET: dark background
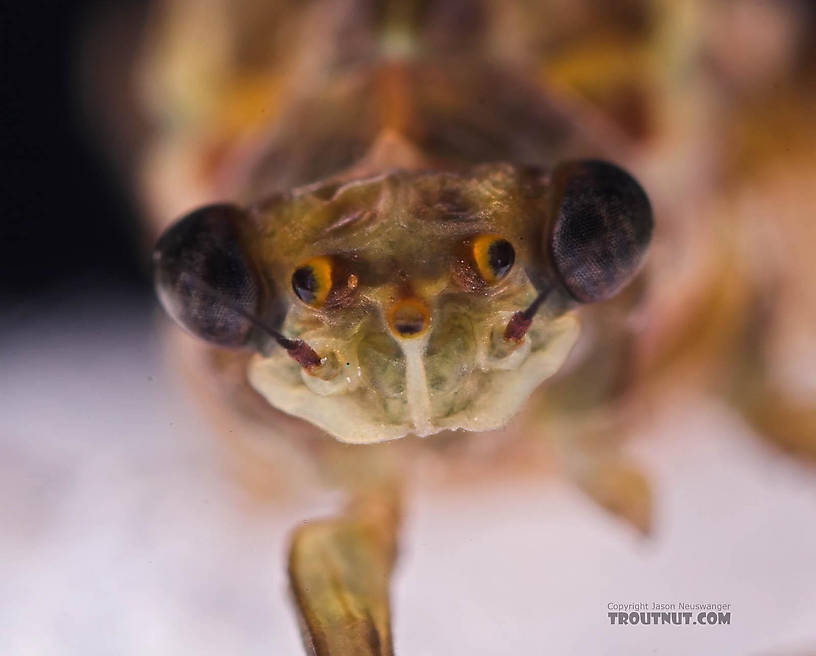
x,y
68,222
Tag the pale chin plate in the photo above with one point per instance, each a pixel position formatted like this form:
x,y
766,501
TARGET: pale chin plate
x,y
349,417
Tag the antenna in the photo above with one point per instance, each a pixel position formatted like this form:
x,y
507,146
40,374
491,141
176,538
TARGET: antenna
x,y
520,323
297,349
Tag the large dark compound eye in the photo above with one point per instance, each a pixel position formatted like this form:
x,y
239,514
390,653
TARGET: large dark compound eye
x,y
602,227
205,277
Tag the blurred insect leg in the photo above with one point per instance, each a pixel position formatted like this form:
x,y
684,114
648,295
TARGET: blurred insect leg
x,y
620,488
789,423
608,477
587,418
340,571
786,418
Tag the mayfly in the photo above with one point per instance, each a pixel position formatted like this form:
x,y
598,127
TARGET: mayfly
x,y
399,223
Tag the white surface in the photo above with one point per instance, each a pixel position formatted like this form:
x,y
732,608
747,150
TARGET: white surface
x,y
122,533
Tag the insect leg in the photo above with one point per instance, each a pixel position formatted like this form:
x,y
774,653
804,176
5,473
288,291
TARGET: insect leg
x,y
340,570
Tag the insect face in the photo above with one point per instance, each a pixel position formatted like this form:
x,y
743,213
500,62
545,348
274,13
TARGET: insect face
x,y
411,302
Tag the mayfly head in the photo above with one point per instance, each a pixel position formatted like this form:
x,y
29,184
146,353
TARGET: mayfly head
x,y
412,302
